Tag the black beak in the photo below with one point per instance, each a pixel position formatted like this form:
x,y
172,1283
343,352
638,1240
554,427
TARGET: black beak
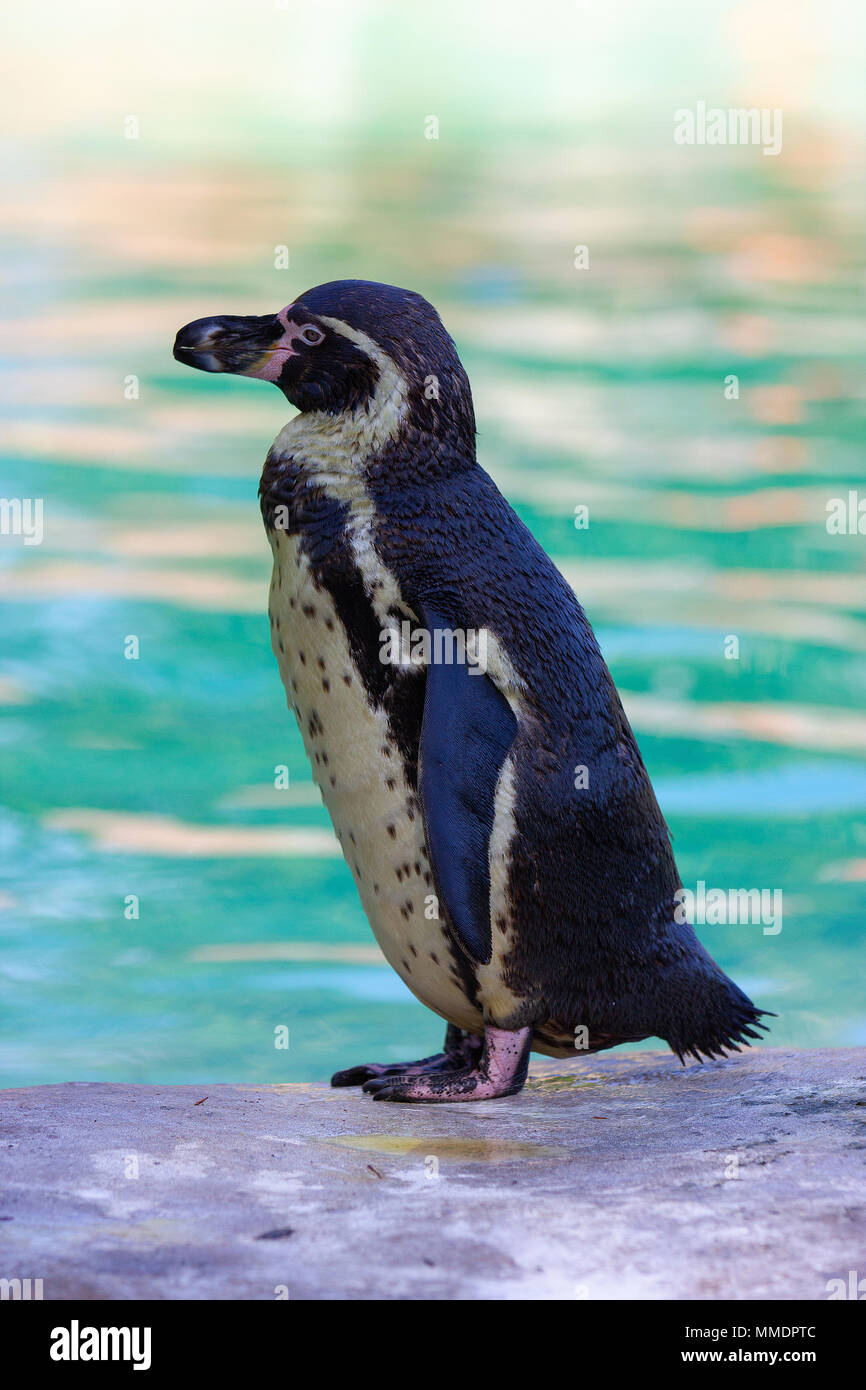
x,y
227,343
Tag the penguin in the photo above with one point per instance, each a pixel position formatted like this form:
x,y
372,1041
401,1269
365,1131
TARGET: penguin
x,y
459,718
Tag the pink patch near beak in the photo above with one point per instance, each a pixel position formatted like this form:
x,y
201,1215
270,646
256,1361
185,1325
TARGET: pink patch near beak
x,y
271,363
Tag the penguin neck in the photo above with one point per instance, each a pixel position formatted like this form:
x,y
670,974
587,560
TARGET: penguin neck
x,y
344,454
391,438
331,449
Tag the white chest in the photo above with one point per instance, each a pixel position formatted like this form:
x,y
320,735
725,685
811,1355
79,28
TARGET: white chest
x,y
360,773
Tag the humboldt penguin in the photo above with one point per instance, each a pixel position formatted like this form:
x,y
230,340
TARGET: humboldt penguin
x,y
460,721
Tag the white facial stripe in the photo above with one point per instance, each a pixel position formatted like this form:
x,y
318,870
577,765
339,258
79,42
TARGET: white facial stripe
x,y
381,417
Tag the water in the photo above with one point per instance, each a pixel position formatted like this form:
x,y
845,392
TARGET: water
x,y
152,779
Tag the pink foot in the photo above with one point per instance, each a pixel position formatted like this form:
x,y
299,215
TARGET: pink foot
x,y
500,1071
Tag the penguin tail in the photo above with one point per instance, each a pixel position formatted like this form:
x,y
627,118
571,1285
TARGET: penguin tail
x,y
708,1015
741,1025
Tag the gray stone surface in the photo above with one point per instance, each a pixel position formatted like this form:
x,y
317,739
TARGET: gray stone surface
x,y
606,1178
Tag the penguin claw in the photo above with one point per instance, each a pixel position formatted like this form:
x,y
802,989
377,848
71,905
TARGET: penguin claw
x,y
354,1076
394,1093
379,1086
374,1071
398,1089
461,1049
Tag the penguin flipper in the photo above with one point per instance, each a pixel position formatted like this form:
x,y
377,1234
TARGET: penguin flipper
x,y
466,731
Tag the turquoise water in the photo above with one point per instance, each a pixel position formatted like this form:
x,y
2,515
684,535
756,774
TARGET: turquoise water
x,y
154,776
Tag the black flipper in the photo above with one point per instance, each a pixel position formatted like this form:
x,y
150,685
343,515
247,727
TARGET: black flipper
x,y
467,730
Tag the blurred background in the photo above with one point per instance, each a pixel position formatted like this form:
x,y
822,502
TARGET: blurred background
x,y
164,906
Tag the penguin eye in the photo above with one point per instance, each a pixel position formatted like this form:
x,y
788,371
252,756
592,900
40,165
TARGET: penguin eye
x,y
311,335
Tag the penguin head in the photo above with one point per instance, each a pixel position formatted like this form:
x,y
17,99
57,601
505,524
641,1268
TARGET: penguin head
x,y
340,347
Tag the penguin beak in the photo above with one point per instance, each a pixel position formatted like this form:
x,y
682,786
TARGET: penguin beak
x,y
253,346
